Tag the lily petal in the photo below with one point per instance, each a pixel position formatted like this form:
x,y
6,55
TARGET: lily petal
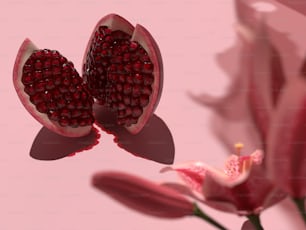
x,y
184,190
192,173
299,6
265,73
286,158
143,195
249,193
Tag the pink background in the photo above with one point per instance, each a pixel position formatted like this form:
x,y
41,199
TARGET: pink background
x,y
42,195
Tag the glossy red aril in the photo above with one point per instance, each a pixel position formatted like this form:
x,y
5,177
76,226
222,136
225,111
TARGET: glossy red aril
x,y
123,69
52,91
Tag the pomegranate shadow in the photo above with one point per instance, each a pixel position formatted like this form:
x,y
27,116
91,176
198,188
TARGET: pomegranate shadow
x,y
154,142
51,146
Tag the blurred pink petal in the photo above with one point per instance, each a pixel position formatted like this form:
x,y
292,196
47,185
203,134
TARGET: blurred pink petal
x,y
184,190
286,160
143,195
249,193
297,5
192,173
266,76
287,38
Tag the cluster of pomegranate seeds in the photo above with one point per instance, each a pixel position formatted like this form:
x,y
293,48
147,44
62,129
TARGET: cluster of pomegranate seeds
x,y
56,89
119,74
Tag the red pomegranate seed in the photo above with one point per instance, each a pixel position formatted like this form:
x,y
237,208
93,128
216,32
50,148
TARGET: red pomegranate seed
x,y
76,113
38,65
136,112
144,101
47,64
147,90
136,91
148,80
138,79
35,99
52,106
63,121
28,79
54,116
42,107
47,96
65,113
74,123
128,111
134,101
30,90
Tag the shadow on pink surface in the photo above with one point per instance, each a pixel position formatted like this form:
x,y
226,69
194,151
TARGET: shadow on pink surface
x,y
154,142
51,146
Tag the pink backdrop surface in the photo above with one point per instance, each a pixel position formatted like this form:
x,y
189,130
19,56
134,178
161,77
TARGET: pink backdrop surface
x,y
57,195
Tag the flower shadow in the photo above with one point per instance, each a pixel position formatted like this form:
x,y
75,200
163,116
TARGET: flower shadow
x,y
48,145
154,142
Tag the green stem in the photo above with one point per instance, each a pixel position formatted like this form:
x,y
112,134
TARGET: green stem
x,y
299,202
199,213
255,220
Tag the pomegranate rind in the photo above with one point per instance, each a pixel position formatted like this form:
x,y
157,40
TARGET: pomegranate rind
x,y
145,39
24,52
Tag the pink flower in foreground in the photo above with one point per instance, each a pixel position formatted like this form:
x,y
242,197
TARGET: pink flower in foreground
x,y
275,102
142,195
286,161
257,80
241,187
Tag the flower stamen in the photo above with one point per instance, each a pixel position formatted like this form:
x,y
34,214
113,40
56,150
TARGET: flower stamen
x,y
238,147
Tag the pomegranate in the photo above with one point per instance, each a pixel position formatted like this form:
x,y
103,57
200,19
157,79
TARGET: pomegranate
x,y
52,91
122,70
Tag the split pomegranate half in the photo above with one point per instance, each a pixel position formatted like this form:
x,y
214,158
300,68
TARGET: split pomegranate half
x,y
52,91
122,70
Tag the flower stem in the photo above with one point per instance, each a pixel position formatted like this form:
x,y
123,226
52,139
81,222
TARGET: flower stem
x,y
299,202
255,220
199,213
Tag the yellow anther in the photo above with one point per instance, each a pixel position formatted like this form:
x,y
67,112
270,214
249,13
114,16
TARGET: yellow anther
x,y
238,147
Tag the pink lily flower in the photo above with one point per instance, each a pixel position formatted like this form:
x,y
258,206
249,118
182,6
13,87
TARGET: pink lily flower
x,y
143,195
241,187
273,101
